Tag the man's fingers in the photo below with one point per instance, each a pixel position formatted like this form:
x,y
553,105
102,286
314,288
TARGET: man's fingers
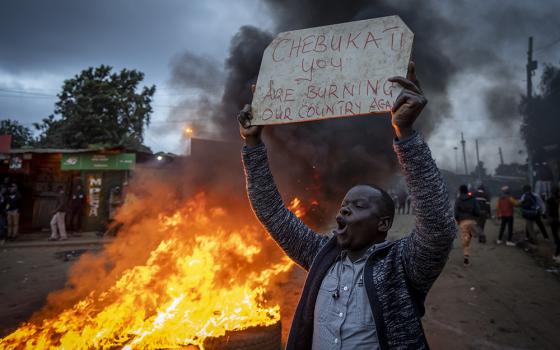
x,y
411,75
408,96
244,117
405,83
404,97
253,88
401,99
243,120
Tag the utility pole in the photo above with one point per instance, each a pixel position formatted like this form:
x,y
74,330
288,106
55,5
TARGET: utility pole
x,y
464,154
501,156
531,67
478,170
456,160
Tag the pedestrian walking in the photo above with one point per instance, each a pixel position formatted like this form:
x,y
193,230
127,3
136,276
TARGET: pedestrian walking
x,y
504,212
466,214
402,201
395,198
552,204
58,224
532,209
409,204
483,203
76,209
13,208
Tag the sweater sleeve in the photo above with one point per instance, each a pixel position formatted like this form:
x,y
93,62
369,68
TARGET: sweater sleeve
x,y
426,250
292,235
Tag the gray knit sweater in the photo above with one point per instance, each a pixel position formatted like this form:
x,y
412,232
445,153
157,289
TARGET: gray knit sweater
x,y
397,277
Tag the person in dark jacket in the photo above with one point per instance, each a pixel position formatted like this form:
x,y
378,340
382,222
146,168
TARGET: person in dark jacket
x,y
13,207
552,204
532,210
483,203
76,209
58,224
362,291
466,214
402,201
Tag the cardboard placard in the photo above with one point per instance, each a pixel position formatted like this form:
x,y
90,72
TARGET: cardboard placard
x,y
333,71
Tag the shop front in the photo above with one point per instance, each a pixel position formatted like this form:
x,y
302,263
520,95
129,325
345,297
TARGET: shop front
x,y
104,177
39,172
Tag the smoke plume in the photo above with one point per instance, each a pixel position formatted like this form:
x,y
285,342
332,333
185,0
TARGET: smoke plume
x,y
323,159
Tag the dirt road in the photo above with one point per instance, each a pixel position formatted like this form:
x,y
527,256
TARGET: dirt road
x,y
504,300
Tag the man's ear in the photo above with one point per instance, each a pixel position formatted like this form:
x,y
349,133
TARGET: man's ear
x,y
384,224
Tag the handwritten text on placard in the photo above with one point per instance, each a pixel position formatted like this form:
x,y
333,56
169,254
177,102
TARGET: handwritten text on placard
x,y
332,71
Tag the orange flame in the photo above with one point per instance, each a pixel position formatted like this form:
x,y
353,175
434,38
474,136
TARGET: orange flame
x,y
297,208
200,281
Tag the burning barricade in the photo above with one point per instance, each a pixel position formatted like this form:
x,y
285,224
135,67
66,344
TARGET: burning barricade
x,y
168,280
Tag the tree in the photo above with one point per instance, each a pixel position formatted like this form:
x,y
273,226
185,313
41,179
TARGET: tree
x,y
541,117
98,107
21,135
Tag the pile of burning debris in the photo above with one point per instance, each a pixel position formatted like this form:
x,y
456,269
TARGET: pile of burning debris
x,y
188,278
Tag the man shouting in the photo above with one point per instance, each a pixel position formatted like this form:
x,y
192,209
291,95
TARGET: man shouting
x,y
362,291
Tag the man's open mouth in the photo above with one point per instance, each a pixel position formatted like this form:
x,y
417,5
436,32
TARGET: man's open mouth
x,y
341,226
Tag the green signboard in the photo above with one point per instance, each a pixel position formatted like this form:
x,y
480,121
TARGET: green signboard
x,y
89,161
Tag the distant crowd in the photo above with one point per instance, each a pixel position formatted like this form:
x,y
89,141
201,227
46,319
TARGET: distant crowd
x,y
472,209
67,214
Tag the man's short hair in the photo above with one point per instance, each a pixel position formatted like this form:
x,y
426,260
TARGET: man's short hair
x,y
527,188
387,207
463,189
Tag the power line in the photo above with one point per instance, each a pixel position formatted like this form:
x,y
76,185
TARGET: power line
x,y
27,91
27,97
12,93
548,46
44,92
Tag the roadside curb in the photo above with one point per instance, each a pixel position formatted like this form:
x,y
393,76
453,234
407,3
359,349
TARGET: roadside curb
x,y
67,243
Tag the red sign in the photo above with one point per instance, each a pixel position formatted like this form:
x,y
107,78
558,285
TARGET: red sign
x,y
5,143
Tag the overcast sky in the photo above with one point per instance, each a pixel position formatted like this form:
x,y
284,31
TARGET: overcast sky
x,y
44,42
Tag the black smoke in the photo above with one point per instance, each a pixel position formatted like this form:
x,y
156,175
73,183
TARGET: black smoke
x,y
222,91
323,159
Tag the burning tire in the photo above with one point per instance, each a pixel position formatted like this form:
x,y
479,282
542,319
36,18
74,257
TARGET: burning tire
x,y
256,338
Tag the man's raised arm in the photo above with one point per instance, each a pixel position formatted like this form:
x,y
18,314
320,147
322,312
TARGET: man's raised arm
x,y
294,237
426,250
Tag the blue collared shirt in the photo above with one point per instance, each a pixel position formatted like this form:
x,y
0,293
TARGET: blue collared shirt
x,y
343,318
